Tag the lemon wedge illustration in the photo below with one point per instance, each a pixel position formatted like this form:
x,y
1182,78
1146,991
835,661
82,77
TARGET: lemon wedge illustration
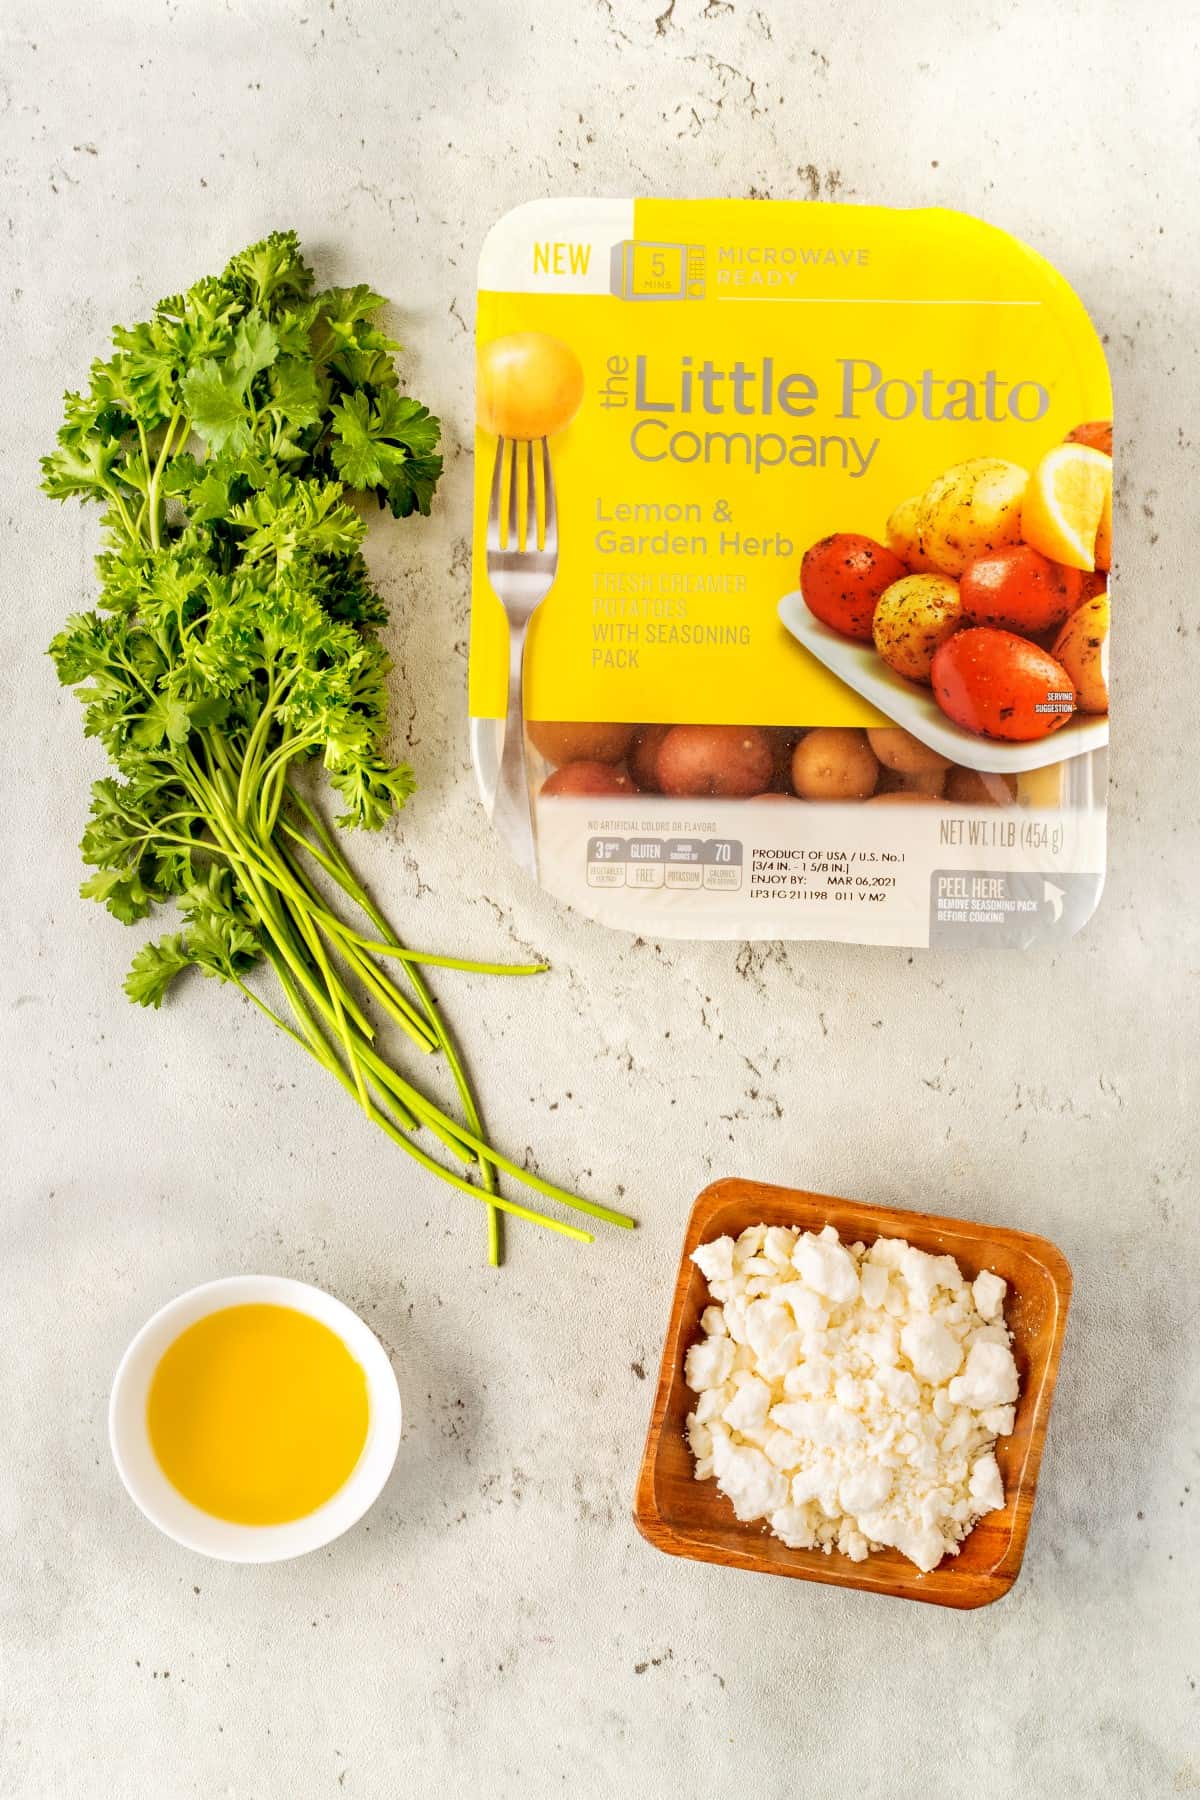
x,y
1067,509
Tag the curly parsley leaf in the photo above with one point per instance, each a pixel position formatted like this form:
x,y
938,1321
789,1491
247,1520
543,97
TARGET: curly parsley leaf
x,y
155,967
389,444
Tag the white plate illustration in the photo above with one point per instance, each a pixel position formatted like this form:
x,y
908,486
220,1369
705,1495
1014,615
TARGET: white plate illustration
x,y
914,708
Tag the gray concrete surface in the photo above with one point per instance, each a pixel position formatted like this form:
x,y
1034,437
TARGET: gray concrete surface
x,y
496,1627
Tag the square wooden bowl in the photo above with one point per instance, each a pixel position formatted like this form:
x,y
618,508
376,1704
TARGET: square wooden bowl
x,y
686,1517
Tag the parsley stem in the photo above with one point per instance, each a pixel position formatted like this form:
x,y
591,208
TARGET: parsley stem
x,y
496,1200
152,485
425,1109
332,1006
276,925
429,959
277,872
385,1076
118,502
381,990
249,857
270,1013
488,1171
313,939
336,866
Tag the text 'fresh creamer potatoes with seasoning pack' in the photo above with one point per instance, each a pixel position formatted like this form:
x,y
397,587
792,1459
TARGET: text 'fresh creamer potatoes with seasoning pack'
x,y
790,595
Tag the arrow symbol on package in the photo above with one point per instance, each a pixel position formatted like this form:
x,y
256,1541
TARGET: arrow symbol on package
x,y
1056,896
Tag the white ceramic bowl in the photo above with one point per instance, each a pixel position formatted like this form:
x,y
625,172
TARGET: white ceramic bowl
x,y
166,1507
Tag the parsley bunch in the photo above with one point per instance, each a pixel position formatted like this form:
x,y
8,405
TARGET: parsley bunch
x,y
236,639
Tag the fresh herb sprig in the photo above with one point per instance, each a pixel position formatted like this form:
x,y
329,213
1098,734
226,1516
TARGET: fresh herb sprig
x,y
236,640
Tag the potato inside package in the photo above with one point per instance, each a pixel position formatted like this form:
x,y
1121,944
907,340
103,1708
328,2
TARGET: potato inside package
x,y
790,596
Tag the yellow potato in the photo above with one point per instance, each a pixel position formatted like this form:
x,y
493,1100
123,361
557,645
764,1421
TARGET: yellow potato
x,y
903,536
1082,649
913,618
971,510
901,751
834,763
528,385
929,782
971,787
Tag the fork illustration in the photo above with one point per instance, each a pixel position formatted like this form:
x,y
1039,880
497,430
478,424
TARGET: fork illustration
x,y
521,573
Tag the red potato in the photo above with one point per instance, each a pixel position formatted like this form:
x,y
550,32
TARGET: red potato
x,y
1096,434
842,577
1001,686
643,756
569,741
722,761
1018,589
784,739
591,778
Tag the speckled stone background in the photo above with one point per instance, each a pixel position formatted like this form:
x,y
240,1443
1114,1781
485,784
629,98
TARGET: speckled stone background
x,y
496,1627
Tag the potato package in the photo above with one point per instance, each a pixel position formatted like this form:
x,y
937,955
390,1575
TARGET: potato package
x,y
790,594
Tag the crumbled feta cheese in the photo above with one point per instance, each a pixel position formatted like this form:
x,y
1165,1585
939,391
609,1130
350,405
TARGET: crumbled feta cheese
x,y
851,1395
753,1484
998,1420
785,1451
818,1421
749,1406
715,1260
874,1279
767,1324
708,1364
987,1489
779,1244
699,1439
734,1311
712,1403
888,1252
988,1291
775,1362
934,1352
864,1489
750,1242
827,1267
880,1346
924,1274
899,1386
812,1376
808,1308
794,1525
989,1379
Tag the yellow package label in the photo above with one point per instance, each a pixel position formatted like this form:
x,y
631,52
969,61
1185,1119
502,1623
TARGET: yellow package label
x,y
810,474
